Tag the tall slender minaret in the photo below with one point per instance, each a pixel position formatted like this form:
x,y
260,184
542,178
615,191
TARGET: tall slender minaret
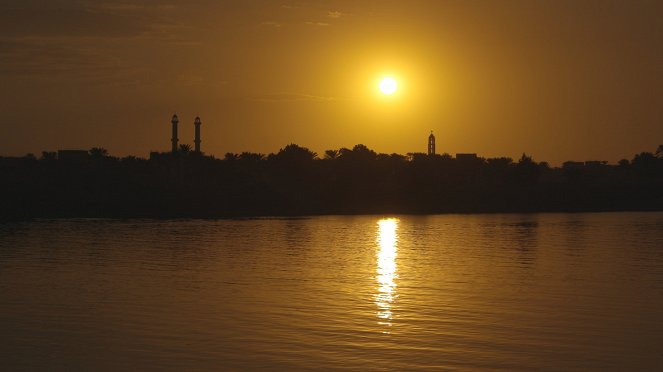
x,y
431,144
174,139
196,141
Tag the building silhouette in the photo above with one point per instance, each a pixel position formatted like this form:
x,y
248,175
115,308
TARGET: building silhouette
x,y
431,144
174,140
196,141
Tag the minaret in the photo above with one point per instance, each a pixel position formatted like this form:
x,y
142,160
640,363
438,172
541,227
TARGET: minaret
x,y
196,141
174,139
431,144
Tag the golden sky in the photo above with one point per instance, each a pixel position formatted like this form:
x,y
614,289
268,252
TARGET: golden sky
x,y
560,80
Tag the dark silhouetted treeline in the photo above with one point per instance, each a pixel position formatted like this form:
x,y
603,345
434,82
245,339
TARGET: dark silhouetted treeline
x,y
295,181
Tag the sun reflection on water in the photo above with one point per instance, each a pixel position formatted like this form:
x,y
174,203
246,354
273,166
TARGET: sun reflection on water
x,y
386,269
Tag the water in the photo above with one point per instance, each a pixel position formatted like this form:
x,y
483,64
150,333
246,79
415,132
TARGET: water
x,y
538,291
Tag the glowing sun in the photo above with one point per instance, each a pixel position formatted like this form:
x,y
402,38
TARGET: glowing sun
x,y
388,85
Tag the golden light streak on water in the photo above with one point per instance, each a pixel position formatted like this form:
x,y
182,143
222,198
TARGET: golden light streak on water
x,y
386,295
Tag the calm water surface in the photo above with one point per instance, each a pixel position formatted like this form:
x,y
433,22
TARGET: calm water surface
x,y
466,292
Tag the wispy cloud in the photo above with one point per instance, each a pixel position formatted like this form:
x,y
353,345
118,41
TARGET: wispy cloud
x,y
291,97
190,79
334,14
79,40
37,58
110,7
321,24
271,24
83,20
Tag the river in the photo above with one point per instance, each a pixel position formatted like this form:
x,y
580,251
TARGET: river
x,y
468,292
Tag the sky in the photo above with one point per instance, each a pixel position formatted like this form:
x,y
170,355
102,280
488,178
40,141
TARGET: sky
x,y
558,80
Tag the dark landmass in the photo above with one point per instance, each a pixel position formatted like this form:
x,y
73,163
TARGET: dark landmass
x,y
295,182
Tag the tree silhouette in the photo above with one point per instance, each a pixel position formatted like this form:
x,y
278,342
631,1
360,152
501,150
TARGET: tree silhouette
x,y
294,181
359,153
527,170
252,157
185,148
645,162
47,155
331,154
129,158
525,159
418,157
98,152
295,153
501,163
229,156
362,152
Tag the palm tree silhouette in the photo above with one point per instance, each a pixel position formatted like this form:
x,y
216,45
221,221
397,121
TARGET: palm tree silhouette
x,y
98,152
331,154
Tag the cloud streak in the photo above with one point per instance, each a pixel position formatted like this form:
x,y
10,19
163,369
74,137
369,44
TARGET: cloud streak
x,y
334,14
81,40
271,24
291,97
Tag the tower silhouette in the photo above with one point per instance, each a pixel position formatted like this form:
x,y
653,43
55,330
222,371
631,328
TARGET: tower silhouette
x,y
431,144
175,120
196,141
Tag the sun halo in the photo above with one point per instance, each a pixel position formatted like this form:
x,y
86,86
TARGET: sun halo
x,y
388,85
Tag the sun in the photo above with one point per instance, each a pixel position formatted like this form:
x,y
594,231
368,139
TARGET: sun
x,y
388,85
